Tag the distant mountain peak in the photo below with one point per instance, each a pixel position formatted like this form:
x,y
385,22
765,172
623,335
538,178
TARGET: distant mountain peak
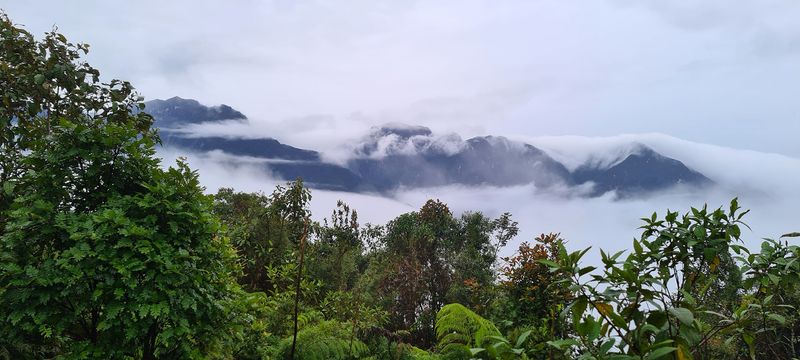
x,y
642,170
177,111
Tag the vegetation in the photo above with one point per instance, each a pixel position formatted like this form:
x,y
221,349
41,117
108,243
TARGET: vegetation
x,y
107,254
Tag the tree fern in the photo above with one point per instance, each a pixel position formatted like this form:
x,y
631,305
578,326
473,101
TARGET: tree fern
x,y
458,330
325,340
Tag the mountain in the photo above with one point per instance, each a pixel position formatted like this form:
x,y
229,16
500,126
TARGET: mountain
x,y
176,111
397,156
642,171
284,161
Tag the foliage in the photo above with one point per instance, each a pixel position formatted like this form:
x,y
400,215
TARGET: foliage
x,y
325,340
142,274
44,82
337,252
774,277
105,254
474,255
264,229
652,304
533,294
429,257
458,330
102,254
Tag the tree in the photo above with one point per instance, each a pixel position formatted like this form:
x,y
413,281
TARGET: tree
x,y
44,82
337,251
103,254
429,258
263,229
473,258
533,297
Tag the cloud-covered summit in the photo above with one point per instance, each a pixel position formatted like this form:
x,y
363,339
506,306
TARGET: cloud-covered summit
x,y
399,156
400,139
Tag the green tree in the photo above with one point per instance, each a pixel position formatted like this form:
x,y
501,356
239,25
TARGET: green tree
x,y
472,255
102,253
533,297
264,229
337,253
429,258
43,82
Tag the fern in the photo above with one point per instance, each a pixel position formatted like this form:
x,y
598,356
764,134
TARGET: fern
x,y
418,354
458,330
325,340
309,318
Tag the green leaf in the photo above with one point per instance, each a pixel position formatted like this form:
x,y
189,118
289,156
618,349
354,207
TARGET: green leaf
x,y
586,270
549,263
476,351
38,79
777,317
660,352
578,309
8,187
559,344
637,247
522,337
606,346
684,315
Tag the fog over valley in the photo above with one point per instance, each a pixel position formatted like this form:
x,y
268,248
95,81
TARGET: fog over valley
x,y
604,215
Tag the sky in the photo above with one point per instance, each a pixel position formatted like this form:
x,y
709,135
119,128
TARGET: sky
x,y
713,83
312,73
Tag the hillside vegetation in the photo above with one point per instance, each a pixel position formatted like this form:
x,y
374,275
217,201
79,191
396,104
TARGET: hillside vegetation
x,y
107,254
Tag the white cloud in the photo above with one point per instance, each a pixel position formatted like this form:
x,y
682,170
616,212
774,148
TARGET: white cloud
x,y
313,73
602,222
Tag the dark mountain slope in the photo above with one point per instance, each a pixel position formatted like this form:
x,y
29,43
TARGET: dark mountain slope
x,y
176,111
286,162
642,171
401,156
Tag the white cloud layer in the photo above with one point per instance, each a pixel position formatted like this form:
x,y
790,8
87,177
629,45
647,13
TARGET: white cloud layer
x,y
313,72
603,222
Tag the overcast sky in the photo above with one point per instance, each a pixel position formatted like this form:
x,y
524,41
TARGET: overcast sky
x,y
712,71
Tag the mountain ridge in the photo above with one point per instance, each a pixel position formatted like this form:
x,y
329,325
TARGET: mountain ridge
x,y
397,155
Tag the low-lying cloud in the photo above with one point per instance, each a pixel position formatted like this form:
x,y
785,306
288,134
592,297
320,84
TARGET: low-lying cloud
x,y
764,183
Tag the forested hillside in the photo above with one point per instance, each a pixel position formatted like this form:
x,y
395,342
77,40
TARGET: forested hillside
x,y
105,253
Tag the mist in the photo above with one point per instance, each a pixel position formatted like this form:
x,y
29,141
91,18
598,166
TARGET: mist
x,y
764,183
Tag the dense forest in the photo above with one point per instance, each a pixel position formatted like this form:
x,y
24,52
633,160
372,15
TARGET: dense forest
x,y
105,253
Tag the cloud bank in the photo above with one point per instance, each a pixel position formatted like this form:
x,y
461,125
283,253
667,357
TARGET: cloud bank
x,y
310,72
770,192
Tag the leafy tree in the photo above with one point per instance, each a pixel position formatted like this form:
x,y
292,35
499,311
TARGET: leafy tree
x,y
102,253
338,250
429,258
533,291
473,258
533,297
264,229
414,278
44,82
773,278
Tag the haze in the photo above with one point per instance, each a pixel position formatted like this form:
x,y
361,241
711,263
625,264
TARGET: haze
x,y
712,83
